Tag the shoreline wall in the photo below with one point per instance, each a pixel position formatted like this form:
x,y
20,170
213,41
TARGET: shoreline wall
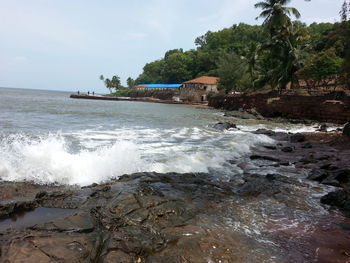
x,y
333,107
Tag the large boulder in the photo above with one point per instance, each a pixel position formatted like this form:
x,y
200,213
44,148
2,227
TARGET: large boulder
x,y
340,199
346,129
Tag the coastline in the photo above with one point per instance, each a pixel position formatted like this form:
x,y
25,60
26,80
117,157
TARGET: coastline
x,y
174,217
94,97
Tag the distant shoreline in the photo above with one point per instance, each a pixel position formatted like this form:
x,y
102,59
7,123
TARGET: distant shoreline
x,y
99,97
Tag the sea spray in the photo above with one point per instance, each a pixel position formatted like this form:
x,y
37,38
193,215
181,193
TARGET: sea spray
x,y
94,156
49,160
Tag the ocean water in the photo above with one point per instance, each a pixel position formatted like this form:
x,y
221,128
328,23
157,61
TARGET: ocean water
x,y
46,137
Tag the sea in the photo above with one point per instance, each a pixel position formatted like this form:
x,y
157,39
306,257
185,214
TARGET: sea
x,y
48,138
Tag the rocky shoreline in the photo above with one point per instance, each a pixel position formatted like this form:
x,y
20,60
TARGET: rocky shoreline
x,y
295,213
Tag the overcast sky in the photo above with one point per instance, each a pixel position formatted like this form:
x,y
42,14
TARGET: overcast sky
x,y
67,44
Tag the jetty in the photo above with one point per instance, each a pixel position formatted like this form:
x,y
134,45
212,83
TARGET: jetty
x,y
141,99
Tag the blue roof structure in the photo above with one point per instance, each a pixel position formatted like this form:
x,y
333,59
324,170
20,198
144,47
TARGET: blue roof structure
x,y
162,86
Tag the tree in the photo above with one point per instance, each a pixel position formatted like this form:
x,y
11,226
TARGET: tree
x,y
344,11
102,77
176,68
321,68
276,14
108,84
130,82
152,73
231,68
115,83
283,42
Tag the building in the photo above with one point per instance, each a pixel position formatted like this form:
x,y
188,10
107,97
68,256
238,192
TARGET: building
x,y
197,90
157,86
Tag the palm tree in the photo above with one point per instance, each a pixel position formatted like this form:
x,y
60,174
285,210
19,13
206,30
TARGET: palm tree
x,y
276,14
115,82
251,58
108,85
283,41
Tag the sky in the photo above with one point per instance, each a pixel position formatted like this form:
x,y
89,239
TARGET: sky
x,y
67,44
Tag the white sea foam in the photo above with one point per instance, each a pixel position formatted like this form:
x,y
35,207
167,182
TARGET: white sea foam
x,y
93,156
49,160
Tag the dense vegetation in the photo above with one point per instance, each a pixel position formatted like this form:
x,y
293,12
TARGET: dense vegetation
x,y
251,57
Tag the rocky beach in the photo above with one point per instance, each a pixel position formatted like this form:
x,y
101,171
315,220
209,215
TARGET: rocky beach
x,y
150,182
299,213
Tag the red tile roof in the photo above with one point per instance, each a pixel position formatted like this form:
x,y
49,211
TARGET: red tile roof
x,y
203,80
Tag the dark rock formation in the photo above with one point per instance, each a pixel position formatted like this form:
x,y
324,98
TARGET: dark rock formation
x,y
321,107
297,137
287,149
270,147
224,126
264,157
340,199
307,145
265,132
346,129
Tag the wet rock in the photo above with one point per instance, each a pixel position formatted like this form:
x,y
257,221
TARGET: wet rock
x,y
307,146
317,175
145,189
80,223
287,149
270,147
271,186
13,208
58,247
342,175
152,217
308,159
119,256
264,157
340,199
331,182
329,167
100,190
41,195
265,132
281,136
284,163
297,137
346,129
224,126
323,157
248,114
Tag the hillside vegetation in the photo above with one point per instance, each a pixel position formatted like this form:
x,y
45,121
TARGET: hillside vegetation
x,y
252,57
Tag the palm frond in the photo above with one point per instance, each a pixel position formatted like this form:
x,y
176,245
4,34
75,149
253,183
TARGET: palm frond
x,y
294,11
262,5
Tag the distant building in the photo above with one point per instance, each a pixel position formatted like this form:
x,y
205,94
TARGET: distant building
x,y
157,86
197,90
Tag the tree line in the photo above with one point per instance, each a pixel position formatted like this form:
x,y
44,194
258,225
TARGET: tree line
x,y
278,53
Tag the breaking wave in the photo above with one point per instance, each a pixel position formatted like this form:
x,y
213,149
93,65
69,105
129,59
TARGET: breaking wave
x,y
93,156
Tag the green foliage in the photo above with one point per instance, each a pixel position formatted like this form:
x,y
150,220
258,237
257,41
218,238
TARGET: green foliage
x,y
110,84
152,73
344,11
130,82
231,68
178,66
134,93
122,93
322,67
247,57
